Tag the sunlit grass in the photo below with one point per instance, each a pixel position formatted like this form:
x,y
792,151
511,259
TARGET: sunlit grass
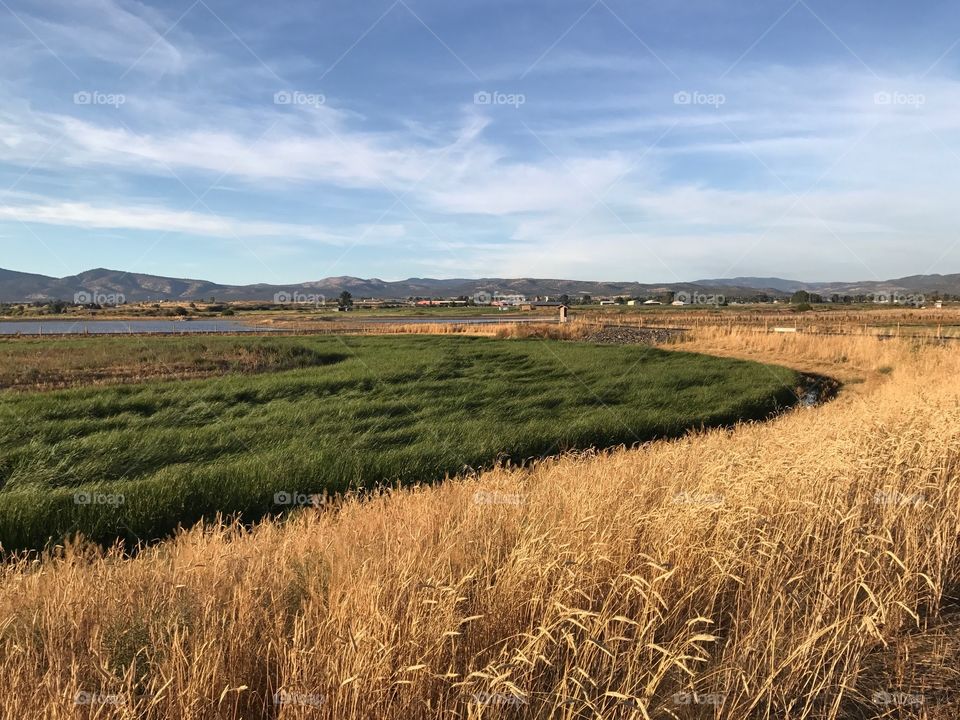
x,y
806,568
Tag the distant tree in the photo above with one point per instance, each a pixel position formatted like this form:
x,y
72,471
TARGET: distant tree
x,y
346,299
803,307
800,296
181,311
621,300
565,299
585,299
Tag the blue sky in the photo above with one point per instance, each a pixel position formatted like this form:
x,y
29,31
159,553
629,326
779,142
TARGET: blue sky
x,y
616,140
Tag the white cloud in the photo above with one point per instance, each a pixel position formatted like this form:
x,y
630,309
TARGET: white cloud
x,y
143,218
123,33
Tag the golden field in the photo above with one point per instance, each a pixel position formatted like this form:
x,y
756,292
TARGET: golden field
x,y
805,567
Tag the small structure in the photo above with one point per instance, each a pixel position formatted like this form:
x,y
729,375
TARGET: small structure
x,y
564,311
938,304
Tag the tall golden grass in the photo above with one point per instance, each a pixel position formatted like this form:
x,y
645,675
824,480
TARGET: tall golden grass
x,y
546,329
806,567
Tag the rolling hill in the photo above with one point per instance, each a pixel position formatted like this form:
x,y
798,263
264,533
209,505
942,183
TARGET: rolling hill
x,y
138,287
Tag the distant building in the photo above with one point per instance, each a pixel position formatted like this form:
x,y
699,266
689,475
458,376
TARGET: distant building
x,y
653,302
678,302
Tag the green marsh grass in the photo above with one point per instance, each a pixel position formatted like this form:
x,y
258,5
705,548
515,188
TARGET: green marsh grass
x,y
135,461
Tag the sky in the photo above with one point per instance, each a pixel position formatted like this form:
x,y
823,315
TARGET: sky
x,y
619,140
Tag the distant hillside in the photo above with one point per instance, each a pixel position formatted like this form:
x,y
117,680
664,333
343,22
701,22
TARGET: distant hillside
x,y
137,287
911,284
772,283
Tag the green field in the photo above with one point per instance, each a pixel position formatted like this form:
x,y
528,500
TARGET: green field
x,y
134,461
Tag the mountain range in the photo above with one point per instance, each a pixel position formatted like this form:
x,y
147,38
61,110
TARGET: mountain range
x,y
137,287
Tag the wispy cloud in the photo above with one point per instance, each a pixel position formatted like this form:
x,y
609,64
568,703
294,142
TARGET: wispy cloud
x,y
144,218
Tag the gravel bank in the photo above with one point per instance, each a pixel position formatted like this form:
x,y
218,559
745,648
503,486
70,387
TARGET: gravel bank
x,y
619,335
